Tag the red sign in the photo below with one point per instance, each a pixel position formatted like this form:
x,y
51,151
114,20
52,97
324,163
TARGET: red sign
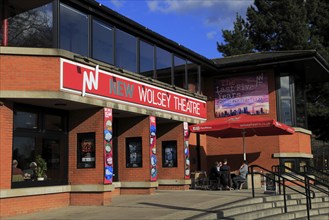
x,y
89,81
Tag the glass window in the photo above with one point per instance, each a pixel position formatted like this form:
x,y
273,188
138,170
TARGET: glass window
x,y
73,30
126,51
31,25
163,65
39,152
102,42
286,106
169,153
25,119
289,164
285,86
86,150
286,116
134,152
23,152
179,72
192,77
146,59
53,122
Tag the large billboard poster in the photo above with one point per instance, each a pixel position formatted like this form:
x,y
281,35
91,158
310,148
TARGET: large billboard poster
x,y
242,95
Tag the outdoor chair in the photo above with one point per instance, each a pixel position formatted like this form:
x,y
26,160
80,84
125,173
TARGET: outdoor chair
x,y
242,182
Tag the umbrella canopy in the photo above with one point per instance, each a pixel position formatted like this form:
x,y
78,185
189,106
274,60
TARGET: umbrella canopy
x,y
242,126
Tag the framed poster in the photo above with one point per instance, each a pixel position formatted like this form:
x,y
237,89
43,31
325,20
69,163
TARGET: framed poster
x,y
169,153
134,152
86,150
242,95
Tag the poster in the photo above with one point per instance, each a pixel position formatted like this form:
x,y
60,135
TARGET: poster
x,y
153,148
108,147
186,151
242,95
134,152
169,153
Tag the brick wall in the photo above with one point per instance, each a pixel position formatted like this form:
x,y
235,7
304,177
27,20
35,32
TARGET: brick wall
x,y
83,121
30,204
133,127
6,140
29,73
171,132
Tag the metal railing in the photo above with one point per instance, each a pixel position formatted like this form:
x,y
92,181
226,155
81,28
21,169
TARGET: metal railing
x,y
281,180
319,175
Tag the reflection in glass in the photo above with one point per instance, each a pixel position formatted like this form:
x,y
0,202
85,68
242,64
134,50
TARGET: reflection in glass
x,y
179,72
23,151
126,51
285,86
49,142
163,65
31,27
146,59
286,116
25,119
192,77
53,122
102,42
73,30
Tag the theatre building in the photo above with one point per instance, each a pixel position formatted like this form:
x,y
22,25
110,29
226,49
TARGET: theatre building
x,y
101,105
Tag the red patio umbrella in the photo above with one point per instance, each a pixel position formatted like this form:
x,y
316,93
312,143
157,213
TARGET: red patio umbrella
x,y
242,126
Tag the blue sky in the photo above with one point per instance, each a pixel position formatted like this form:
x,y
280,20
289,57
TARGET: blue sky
x,y
195,24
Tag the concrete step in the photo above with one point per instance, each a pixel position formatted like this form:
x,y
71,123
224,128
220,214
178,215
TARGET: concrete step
x,y
272,207
244,209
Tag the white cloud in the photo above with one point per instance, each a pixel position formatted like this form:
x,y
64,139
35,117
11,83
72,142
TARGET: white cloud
x,y
211,35
181,6
213,13
117,3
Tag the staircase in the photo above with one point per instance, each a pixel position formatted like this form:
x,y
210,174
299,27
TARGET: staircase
x,y
272,207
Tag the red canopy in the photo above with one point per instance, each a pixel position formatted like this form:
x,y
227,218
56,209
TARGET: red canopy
x,y
241,126
234,125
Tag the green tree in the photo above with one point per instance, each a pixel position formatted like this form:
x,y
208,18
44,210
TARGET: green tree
x,y
274,25
237,41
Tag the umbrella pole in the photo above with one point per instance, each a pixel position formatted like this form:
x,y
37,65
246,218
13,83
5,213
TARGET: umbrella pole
x,y
244,145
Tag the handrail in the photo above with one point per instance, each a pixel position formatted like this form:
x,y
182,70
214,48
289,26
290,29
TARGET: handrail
x,y
312,182
278,178
319,174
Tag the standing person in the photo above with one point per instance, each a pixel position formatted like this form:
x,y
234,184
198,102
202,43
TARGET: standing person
x,y
225,170
243,171
214,176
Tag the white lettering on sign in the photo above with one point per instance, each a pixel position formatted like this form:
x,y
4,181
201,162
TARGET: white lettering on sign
x,y
152,97
186,105
90,82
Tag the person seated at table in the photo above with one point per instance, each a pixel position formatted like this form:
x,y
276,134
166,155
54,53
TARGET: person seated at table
x,y
29,174
17,173
214,176
242,174
225,175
